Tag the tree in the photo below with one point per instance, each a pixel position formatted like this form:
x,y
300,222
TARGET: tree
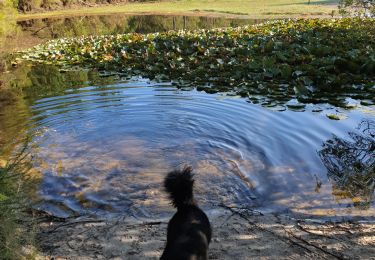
x,y
362,8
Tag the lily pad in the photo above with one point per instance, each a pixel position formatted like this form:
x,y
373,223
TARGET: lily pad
x,y
314,60
336,116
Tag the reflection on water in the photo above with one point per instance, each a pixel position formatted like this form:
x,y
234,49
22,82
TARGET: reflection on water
x,y
28,33
351,165
103,144
14,114
108,149
118,24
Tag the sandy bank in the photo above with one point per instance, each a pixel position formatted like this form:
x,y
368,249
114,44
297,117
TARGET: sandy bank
x,y
238,234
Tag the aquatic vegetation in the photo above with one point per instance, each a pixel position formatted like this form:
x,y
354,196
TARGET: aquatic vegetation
x,y
313,61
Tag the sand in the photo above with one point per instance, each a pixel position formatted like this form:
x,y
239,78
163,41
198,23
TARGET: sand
x,y
237,234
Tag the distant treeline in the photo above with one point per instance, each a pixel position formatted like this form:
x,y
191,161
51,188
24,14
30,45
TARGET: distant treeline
x,y
34,5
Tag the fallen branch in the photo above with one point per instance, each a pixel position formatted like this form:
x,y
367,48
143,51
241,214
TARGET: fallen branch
x,y
35,33
85,221
315,246
326,252
241,208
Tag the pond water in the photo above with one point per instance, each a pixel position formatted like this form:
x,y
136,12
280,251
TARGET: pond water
x,y
103,143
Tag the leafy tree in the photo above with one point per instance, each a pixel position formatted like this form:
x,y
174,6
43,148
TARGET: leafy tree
x,y
363,8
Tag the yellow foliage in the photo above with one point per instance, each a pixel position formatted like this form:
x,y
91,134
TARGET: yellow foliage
x,y
7,20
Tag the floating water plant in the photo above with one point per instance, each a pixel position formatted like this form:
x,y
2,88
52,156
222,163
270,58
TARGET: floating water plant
x,y
311,60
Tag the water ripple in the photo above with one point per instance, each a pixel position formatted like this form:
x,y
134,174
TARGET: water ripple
x,y
106,149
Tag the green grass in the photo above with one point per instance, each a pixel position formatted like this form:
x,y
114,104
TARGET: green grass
x,y
248,8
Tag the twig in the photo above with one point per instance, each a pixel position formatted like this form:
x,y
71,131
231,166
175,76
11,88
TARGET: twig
x,y
315,246
226,220
287,238
34,33
312,233
73,223
100,221
84,3
240,208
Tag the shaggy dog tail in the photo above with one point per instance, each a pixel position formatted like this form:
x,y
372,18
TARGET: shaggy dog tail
x,y
179,185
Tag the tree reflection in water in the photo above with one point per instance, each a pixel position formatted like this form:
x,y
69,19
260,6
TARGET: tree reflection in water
x,y
351,165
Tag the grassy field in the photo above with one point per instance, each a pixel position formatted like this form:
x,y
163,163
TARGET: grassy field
x,y
239,8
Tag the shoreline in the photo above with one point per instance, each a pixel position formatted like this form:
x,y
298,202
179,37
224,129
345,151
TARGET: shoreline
x,y
237,234
239,10
67,14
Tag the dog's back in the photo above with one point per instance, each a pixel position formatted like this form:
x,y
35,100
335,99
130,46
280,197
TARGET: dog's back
x,y
189,230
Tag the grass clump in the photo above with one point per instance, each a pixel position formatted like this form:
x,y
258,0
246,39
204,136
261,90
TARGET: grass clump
x,y
302,59
16,229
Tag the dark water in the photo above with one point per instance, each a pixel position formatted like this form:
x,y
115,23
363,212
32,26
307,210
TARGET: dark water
x,y
102,144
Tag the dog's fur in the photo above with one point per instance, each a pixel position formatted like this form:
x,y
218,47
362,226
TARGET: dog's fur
x,y
189,230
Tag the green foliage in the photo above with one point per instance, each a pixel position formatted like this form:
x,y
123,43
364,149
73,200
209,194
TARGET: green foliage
x,y
303,59
363,8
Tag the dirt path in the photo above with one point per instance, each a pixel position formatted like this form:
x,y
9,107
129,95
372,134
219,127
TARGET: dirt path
x,y
238,234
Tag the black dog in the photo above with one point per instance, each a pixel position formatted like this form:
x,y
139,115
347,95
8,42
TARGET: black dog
x,y
189,230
